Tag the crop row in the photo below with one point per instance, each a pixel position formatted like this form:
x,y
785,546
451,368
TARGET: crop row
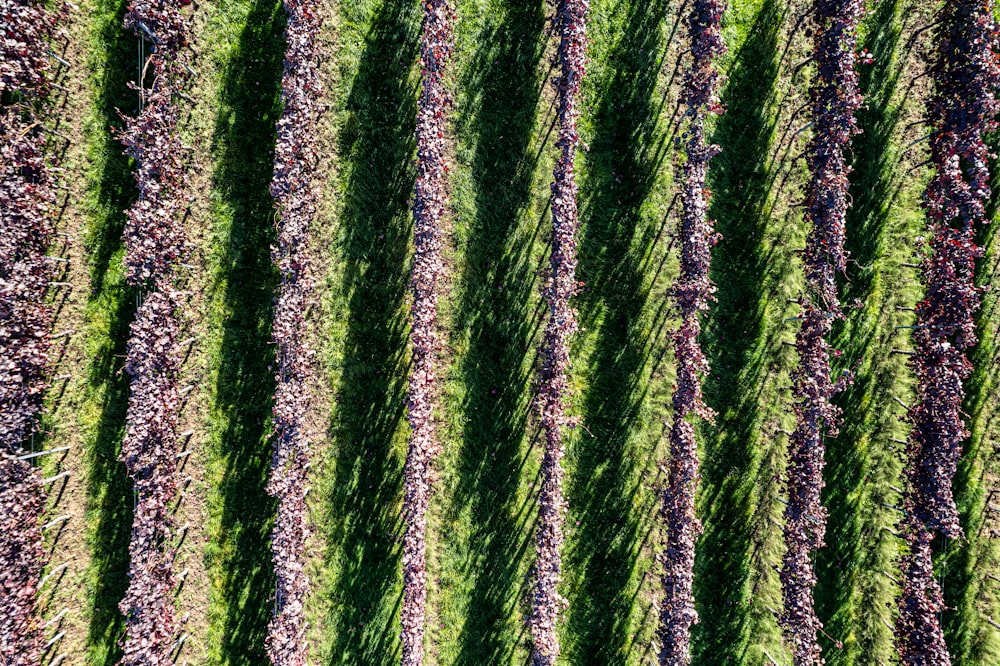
x,y
961,110
835,98
23,557
692,292
28,31
152,361
26,207
292,186
561,285
154,242
154,235
429,209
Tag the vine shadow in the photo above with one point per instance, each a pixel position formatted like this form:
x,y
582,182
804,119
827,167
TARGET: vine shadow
x,y
112,188
115,188
846,598
244,144
735,342
365,528
497,287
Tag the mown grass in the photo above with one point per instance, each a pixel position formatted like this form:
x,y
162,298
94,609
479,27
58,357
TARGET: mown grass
x,y
731,590
110,190
361,523
853,597
244,280
485,515
482,518
246,38
625,192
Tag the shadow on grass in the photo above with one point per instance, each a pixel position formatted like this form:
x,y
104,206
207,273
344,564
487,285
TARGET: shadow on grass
x,y
364,506
497,287
244,144
111,306
115,189
624,160
736,346
850,592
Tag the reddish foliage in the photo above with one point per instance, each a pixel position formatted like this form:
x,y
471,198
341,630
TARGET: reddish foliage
x,y
692,291
919,636
561,285
23,556
961,110
429,206
26,208
162,23
26,203
295,158
149,452
835,99
154,235
28,28
154,242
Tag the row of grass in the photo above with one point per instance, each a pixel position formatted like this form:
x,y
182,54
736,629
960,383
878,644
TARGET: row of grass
x,y
244,42
736,590
361,491
110,190
485,512
622,387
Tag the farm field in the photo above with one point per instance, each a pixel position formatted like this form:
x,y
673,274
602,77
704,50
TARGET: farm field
x,y
502,129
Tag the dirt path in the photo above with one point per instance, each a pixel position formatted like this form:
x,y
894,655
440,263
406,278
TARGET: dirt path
x,y
196,128
63,596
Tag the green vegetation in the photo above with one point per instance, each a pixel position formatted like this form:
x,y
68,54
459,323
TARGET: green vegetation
x,y
485,513
110,306
854,595
482,518
620,378
248,43
362,525
734,589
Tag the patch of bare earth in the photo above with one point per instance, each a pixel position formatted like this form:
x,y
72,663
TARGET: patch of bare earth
x,y
196,377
